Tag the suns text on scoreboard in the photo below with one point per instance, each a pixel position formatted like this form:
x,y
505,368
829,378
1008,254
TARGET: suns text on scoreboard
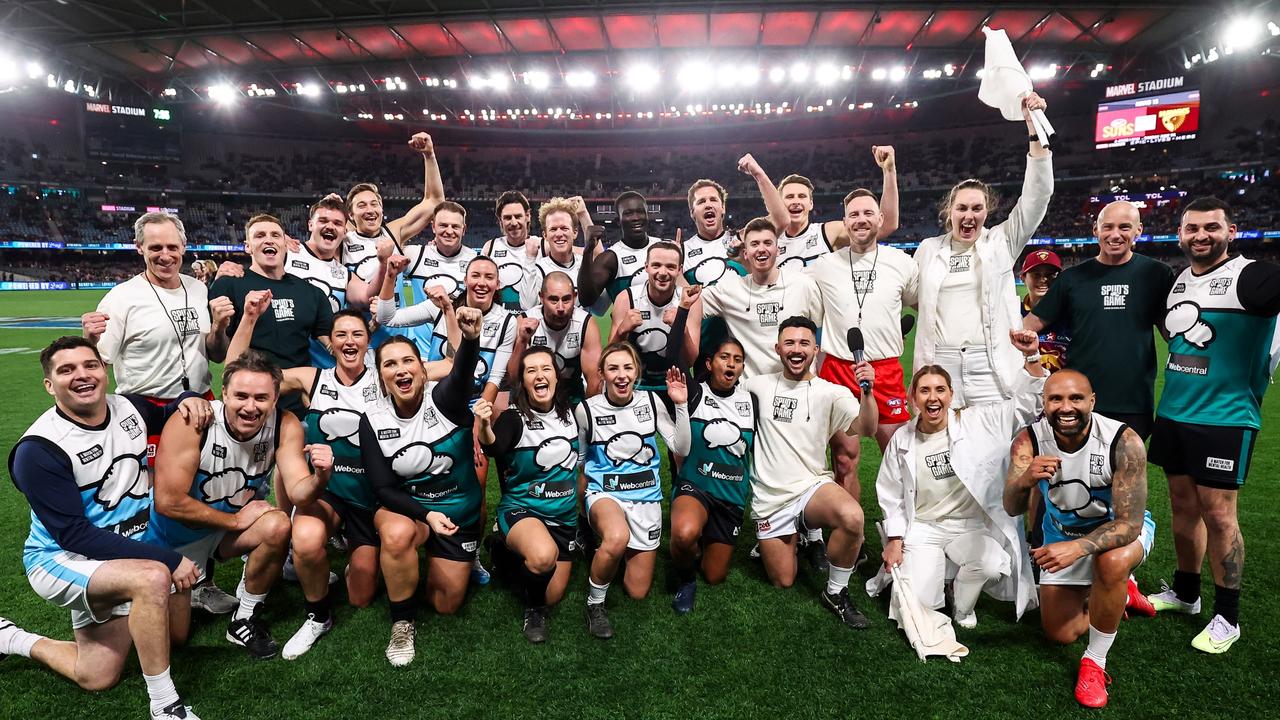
x,y
1145,86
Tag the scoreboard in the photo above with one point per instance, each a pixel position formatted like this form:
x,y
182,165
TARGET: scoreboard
x,y
125,133
1165,117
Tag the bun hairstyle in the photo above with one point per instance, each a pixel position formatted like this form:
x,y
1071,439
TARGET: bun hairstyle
x,y
989,194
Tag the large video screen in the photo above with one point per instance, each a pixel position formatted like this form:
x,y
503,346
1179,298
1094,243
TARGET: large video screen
x,y
1155,119
131,134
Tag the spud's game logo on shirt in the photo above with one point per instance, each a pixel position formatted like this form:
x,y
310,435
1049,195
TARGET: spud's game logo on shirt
x,y
960,263
282,308
784,408
767,313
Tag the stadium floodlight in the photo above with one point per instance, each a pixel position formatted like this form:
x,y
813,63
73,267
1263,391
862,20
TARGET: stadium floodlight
x,y
34,70
8,70
799,72
846,72
1242,32
52,81
931,73
1273,28
537,79
1097,70
221,93
691,75
726,75
641,78
777,75
867,105
340,88
949,69
748,75
1212,56
499,81
1043,72
898,74
826,74
306,89
879,74
580,79
69,86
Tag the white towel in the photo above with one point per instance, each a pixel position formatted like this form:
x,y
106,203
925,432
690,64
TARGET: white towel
x,y
928,631
1005,82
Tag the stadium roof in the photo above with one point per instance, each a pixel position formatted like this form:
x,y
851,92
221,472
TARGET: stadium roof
x,y
159,39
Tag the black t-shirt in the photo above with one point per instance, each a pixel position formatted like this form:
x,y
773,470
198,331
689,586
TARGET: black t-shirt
x,y
299,311
1112,311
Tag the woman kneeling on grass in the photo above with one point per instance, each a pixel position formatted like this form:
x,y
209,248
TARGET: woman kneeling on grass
x,y
535,442
417,452
618,430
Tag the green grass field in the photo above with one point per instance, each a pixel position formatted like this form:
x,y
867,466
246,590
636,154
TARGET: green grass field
x,y
747,651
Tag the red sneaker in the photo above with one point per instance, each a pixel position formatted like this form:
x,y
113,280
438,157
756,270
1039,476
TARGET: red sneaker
x,y
1137,602
1091,684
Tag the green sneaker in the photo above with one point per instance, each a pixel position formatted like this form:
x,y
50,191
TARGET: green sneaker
x,y
1167,601
1217,637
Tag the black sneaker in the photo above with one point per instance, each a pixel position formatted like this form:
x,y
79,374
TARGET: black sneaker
x,y
535,625
815,554
598,622
251,634
842,606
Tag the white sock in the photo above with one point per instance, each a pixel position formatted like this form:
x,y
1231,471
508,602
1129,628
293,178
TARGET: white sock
x,y
248,601
1099,645
596,593
837,578
814,535
161,690
20,642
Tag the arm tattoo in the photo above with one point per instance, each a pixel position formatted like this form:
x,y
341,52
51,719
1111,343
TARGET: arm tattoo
x,y
1128,499
1015,496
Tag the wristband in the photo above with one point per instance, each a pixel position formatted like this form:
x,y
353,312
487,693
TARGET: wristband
x,y
1031,358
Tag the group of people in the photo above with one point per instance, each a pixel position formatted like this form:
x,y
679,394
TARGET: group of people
x,y
370,378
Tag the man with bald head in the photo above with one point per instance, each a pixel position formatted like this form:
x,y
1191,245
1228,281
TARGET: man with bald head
x,y
1112,303
1092,472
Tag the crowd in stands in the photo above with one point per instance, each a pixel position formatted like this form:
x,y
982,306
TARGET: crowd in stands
x,y
56,196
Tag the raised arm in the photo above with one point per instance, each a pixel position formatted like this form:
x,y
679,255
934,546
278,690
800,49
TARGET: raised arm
x,y
295,462
773,204
453,394
525,328
1037,186
221,310
361,291
414,221
625,318
596,270
675,430
887,161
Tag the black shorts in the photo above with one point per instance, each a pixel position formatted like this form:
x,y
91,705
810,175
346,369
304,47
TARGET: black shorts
x,y
357,522
566,536
462,546
1214,456
724,520
1140,423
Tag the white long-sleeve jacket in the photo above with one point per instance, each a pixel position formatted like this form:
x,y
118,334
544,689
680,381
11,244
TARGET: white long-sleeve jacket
x,y
997,249
979,437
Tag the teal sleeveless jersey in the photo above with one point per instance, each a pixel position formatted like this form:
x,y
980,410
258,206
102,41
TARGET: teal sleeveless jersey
x,y
722,429
1219,351
538,465
432,457
333,419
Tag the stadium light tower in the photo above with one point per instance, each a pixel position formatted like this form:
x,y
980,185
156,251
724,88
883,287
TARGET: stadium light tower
x,y
537,79
641,78
580,79
1242,32
221,93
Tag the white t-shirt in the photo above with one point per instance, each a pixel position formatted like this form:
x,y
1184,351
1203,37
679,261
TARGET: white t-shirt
x,y
795,421
883,280
960,301
141,343
753,312
939,493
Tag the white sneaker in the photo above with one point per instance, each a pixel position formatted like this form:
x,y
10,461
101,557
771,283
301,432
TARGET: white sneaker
x,y
177,711
1217,637
1167,601
400,650
213,599
306,637
969,621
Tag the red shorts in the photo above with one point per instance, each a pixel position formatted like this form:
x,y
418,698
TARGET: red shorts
x,y
154,440
890,388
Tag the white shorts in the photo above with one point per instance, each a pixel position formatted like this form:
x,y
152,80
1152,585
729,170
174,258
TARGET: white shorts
x,y
932,548
643,518
786,521
973,379
1081,571
201,550
64,581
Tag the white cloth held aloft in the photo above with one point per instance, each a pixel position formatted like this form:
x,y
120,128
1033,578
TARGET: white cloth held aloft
x,y
1005,82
